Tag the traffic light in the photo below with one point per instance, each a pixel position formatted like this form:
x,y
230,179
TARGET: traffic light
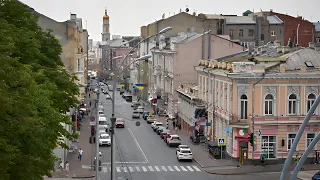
x,y
251,139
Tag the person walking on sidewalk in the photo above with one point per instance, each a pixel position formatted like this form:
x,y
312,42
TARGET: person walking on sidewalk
x,y
67,168
174,123
80,154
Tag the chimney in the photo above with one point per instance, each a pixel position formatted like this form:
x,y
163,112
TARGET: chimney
x,y
303,69
73,16
282,68
311,45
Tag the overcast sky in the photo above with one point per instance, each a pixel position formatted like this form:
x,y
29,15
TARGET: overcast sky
x,y
127,16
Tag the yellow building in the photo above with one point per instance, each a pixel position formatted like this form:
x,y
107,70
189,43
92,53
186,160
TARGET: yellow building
x,y
269,89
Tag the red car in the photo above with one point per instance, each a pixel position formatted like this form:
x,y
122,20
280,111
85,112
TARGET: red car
x,y
119,123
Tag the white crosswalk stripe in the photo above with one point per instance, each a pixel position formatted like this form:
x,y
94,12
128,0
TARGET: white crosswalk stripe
x,y
150,168
144,169
176,167
155,169
170,168
196,168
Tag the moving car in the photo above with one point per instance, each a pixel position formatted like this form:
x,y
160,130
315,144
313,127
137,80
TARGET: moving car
x,y
140,109
104,139
184,153
135,104
136,114
103,122
119,123
173,140
102,129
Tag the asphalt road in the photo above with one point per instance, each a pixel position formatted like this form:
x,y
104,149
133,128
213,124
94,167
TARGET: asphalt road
x,y
142,155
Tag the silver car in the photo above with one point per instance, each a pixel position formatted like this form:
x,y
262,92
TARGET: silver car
x,y
136,114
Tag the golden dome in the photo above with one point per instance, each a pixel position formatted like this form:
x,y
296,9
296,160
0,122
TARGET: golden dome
x,y
105,15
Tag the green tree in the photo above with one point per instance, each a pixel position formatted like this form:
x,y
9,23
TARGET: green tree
x,y
35,91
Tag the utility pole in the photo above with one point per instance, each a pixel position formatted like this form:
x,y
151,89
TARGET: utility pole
x,y
97,135
87,63
252,121
113,120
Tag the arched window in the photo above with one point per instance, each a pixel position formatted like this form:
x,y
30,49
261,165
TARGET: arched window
x,y
292,104
244,107
310,100
268,105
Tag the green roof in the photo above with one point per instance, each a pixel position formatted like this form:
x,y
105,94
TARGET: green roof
x,y
248,12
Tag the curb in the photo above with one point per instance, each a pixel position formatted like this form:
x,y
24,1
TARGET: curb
x,y
240,173
198,162
83,177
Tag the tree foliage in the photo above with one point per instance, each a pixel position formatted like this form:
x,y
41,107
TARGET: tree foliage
x,y
35,92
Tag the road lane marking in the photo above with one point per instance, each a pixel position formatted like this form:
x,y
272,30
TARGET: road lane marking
x,y
190,169
135,140
163,168
131,169
125,163
104,169
125,169
150,168
176,167
157,168
144,169
118,169
196,168
138,169
183,169
170,168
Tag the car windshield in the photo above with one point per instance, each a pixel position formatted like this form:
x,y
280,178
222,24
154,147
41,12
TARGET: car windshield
x,y
135,112
103,123
105,137
185,151
120,120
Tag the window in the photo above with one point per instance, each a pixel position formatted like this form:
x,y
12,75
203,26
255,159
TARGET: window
x,y
79,64
290,140
268,105
244,107
310,100
250,32
241,32
273,33
292,104
262,37
231,32
269,146
318,39
310,137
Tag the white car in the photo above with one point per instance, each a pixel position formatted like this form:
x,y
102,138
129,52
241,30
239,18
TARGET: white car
x,y
140,109
151,119
136,114
184,153
104,139
102,129
155,124
173,140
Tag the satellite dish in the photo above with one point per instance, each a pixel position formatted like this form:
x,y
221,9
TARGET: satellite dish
x,y
137,123
187,9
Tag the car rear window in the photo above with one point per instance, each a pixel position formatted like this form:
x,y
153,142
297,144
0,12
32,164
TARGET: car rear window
x,y
185,151
175,137
103,122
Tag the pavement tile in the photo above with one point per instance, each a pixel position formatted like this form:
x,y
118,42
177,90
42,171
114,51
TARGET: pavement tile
x,y
200,153
248,169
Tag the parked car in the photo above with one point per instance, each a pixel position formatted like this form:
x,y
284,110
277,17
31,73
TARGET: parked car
x,y
160,129
136,114
119,123
164,132
184,154
140,109
173,140
165,136
155,124
135,103
104,139
145,115
151,119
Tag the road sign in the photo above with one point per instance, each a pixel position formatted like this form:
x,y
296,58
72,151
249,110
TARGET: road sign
x,y
222,142
259,132
228,130
92,123
92,118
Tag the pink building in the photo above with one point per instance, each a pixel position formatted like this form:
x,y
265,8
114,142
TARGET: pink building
x,y
174,61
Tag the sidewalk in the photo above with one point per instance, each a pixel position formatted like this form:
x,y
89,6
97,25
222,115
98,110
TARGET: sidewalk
x,y
200,153
76,170
248,169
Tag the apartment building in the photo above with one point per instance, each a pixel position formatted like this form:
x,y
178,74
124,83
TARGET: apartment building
x,y
269,89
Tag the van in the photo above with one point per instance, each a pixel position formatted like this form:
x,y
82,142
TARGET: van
x,y
103,121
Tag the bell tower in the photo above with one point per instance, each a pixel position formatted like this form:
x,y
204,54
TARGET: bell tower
x,y
105,27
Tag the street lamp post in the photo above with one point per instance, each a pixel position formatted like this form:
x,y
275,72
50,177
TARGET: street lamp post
x,y
118,74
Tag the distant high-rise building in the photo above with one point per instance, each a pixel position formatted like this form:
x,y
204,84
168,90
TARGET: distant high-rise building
x,y
105,27
90,44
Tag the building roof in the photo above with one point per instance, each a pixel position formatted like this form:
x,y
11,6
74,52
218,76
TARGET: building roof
x,y
274,20
187,37
317,26
233,19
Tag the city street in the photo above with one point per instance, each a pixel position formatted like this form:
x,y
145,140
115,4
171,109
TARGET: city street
x,y
141,153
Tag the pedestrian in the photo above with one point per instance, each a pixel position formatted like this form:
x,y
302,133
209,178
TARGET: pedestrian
x,y
80,154
174,123
61,165
89,97
90,103
67,168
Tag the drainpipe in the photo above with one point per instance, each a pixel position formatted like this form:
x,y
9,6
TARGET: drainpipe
x,y
209,45
202,49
